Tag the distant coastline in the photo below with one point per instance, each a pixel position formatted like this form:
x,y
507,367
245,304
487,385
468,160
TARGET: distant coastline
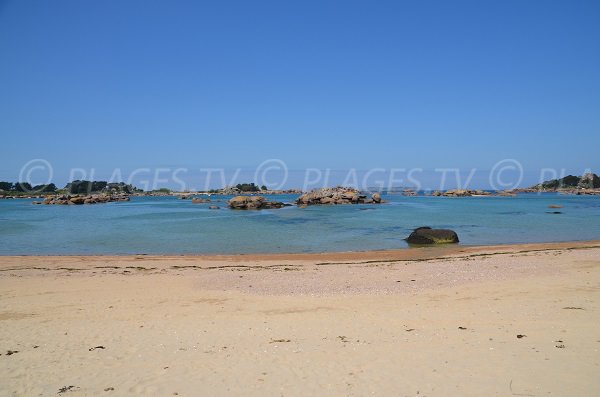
x,y
587,184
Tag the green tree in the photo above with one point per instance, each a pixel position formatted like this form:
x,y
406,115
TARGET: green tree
x,y
247,187
49,188
23,187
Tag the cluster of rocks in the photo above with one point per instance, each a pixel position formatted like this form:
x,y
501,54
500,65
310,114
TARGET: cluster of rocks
x,y
471,193
336,195
234,190
585,192
197,200
82,199
427,235
254,203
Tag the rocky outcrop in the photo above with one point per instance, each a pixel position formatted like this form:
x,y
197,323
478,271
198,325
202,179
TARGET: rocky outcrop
x,y
469,193
80,199
235,190
589,181
337,195
506,193
427,235
570,183
253,203
197,200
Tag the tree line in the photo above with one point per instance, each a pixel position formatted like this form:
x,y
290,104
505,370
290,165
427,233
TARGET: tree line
x,y
75,187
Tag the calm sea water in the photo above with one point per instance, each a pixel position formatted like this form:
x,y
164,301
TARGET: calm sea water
x,y
166,225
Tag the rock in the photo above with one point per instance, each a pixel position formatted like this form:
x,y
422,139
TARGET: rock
x,y
238,202
427,235
336,195
589,181
196,200
253,203
458,193
350,196
213,207
340,201
273,204
77,200
376,197
506,193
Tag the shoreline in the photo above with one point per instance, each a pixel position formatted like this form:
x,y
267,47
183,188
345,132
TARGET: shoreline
x,y
401,254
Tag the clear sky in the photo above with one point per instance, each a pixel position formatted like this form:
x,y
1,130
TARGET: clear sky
x,y
315,83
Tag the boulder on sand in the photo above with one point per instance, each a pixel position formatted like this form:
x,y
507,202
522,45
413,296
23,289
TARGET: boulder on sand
x,y
427,235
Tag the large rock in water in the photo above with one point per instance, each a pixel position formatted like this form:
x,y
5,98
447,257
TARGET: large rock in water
x,y
336,195
253,203
427,235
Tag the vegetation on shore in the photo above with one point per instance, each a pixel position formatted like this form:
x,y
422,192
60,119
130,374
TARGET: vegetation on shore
x,y
76,187
586,181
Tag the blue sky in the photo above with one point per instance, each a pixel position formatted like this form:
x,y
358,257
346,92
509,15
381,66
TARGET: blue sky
x,y
317,84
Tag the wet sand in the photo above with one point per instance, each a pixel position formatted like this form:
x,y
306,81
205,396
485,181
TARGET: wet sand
x,y
452,321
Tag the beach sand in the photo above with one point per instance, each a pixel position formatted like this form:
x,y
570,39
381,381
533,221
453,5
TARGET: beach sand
x,y
455,321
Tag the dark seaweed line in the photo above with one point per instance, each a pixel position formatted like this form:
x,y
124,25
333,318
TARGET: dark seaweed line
x,y
455,257
232,267
389,261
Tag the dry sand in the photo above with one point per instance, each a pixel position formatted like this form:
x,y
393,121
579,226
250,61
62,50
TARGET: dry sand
x,y
418,322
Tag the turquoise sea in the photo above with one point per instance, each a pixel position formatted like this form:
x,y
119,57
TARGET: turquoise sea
x,y
167,225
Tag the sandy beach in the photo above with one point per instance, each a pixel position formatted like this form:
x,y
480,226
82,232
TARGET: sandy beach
x,y
520,320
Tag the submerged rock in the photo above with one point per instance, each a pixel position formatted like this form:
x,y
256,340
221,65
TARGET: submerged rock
x,y
427,235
